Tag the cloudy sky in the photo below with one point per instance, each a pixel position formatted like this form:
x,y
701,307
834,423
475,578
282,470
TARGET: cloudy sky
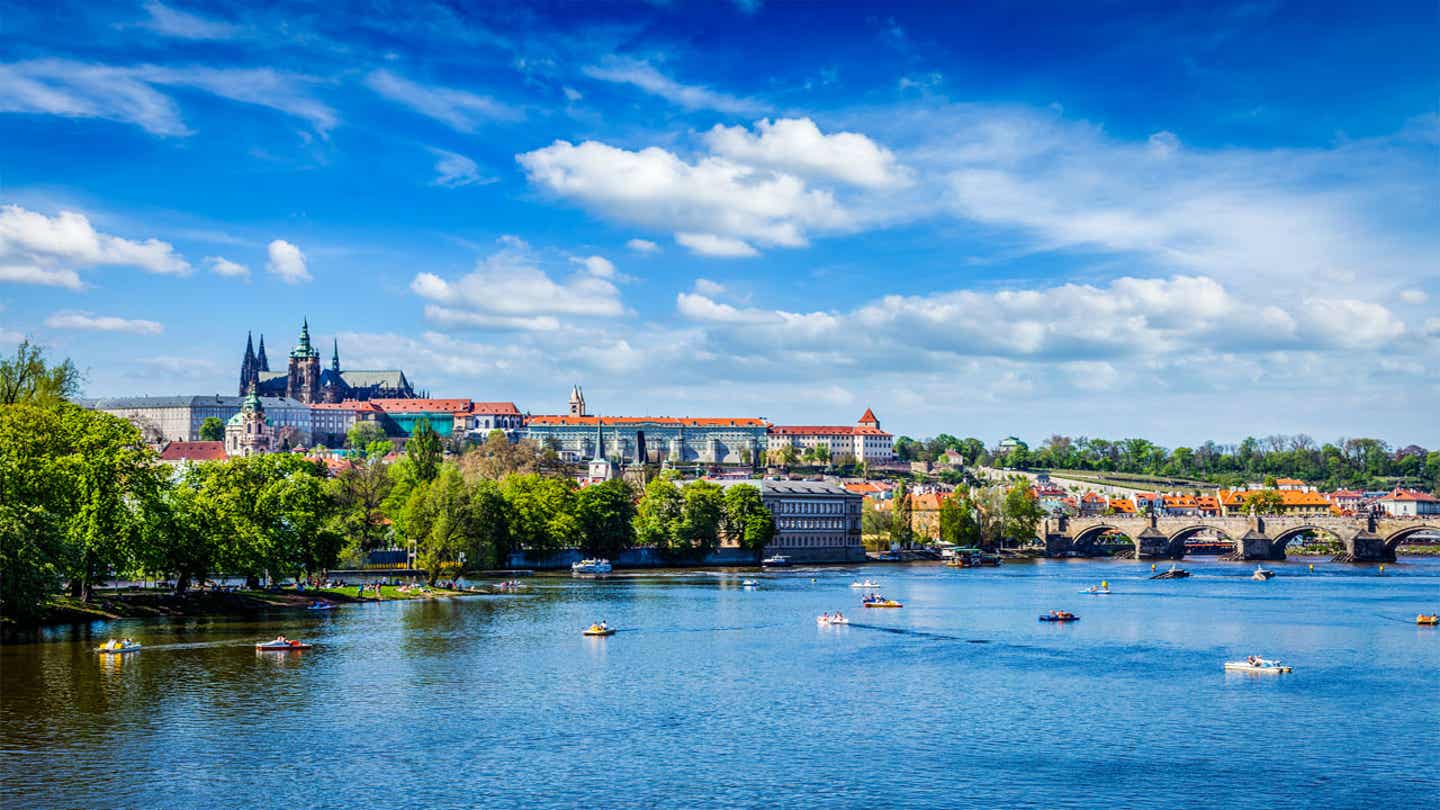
x,y
1185,221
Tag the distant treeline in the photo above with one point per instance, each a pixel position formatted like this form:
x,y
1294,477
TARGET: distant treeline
x,y
1350,463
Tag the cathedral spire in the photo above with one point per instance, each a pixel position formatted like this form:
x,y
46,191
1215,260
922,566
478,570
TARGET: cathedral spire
x,y
335,358
303,348
261,362
247,365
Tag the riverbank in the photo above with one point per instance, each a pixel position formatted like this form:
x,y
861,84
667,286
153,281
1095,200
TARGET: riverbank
x,y
109,604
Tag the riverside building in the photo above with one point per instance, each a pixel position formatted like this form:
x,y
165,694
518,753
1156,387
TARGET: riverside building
x,y
863,442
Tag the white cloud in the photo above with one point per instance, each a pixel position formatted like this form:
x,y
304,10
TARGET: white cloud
x,y
221,266
699,307
31,274
797,146
287,262
127,94
705,286
643,75
39,249
184,25
458,109
722,205
102,323
597,266
1414,296
509,290
571,94
642,246
709,244
454,170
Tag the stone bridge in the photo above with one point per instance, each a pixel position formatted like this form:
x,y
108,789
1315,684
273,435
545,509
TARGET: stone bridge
x,y
1257,537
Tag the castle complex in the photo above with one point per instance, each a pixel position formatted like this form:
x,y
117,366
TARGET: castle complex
x,y
304,379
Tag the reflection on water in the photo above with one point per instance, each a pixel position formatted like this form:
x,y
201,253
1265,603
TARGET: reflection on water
x,y
714,695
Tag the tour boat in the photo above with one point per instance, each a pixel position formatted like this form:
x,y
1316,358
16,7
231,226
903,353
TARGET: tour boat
x,y
869,583
598,630
1257,664
831,620
1059,616
776,559
113,647
1262,574
282,645
1433,619
590,567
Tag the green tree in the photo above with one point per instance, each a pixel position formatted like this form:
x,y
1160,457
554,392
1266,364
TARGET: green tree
x,y
959,523
657,518
28,378
212,430
606,512
746,519
488,542
360,491
1022,514
1264,502
541,512
902,526
701,515
440,522
424,451
35,496
364,433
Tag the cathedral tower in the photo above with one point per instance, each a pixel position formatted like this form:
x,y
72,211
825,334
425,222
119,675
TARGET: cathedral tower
x,y
577,401
248,365
261,361
303,380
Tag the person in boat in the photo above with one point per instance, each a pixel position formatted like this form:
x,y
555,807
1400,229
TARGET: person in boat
x,y
603,625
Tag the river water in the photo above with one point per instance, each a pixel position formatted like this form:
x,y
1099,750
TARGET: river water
x,y
717,696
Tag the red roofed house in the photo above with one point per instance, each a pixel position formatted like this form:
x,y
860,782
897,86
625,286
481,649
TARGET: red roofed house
x,y
1409,503
177,452
864,441
581,436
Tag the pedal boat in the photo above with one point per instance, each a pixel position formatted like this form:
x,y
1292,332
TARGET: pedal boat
x,y
866,584
289,645
1266,666
1432,620
117,648
1059,616
883,603
831,620
597,630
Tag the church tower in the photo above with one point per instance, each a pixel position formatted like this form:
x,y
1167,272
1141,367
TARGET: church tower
x,y
303,380
577,401
247,365
248,433
262,363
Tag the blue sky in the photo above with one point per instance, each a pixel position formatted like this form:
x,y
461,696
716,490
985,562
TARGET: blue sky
x,y
1178,220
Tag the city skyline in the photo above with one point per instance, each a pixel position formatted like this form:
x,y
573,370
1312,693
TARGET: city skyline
x,y
1170,224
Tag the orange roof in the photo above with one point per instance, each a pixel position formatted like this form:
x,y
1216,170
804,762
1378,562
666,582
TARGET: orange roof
x,y
826,430
426,405
500,408
346,405
928,502
1122,505
681,421
1410,495
194,451
1091,497
1289,482
868,416
862,487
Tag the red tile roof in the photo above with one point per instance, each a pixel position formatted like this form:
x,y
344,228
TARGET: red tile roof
x,y
423,405
499,408
194,451
347,405
676,421
1410,495
868,416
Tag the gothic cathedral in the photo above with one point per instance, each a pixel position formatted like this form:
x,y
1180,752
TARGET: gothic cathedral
x,y
306,381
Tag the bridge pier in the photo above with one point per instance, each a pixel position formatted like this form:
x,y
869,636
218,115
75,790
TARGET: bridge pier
x,y
1365,546
1152,544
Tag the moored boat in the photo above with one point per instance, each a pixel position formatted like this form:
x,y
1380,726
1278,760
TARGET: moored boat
x,y
591,566
282,644
1254,663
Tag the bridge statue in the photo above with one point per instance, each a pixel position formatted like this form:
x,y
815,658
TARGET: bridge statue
x,y
1367,538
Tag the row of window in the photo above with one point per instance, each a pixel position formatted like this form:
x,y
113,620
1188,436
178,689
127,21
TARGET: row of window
x,y
812,507
810,540
808,523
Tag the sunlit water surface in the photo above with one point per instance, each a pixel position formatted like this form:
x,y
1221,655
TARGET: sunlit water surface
x,y
717,696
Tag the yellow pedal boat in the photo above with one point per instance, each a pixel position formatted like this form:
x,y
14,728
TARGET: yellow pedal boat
x,y
886,603
597,630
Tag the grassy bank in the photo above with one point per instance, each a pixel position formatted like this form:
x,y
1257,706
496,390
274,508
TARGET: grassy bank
x,y
129,604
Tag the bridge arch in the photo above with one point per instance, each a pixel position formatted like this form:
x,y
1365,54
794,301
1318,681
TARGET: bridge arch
x,y
1178,539
1090,536
1283,538
1394,539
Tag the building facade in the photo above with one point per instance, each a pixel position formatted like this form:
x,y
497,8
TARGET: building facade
x,y
863,442
249,432
178,419
651,439
305,379
814,521
1407,503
